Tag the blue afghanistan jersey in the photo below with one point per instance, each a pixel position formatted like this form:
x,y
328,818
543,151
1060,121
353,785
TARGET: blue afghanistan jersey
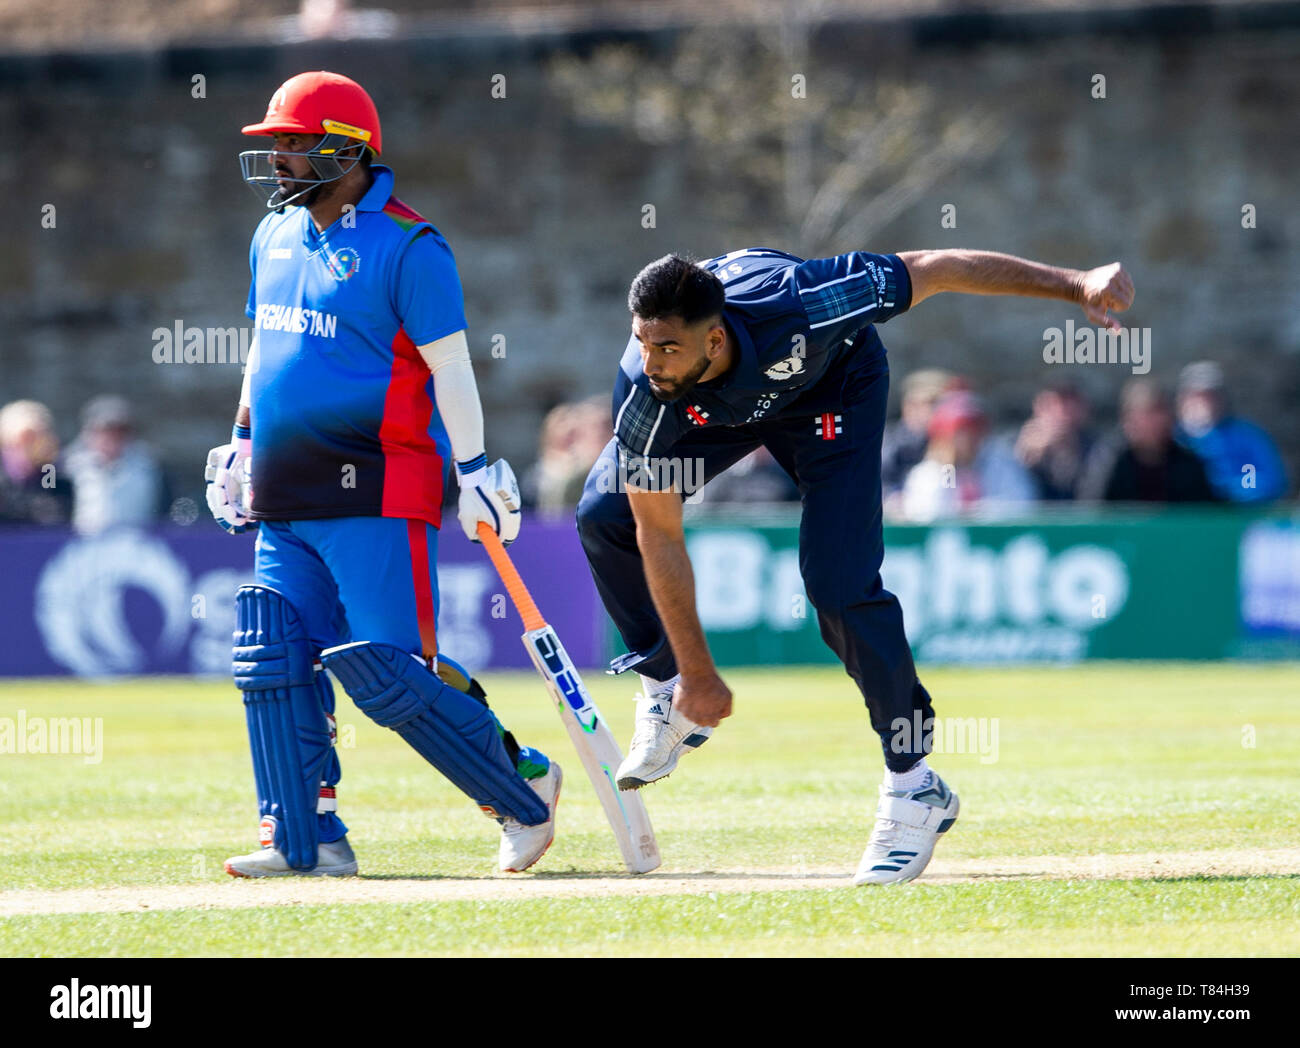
x,y
800,329
343,414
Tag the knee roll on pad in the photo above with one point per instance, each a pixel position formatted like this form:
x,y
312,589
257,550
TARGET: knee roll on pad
x,y
454,732
288,731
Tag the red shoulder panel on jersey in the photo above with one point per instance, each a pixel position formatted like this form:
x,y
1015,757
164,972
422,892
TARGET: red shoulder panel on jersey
x,y
404,216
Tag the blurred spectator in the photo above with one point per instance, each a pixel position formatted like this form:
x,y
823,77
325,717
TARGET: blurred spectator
x,y
755,478
319,19
905,440
117,478
338,20
1055,441
1226,445
573,436
964,471
34,486
1144,463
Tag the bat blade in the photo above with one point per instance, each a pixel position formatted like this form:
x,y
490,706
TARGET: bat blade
x,y
596,747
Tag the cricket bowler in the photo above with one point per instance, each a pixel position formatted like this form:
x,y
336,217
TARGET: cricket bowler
x,y
761,348
358,394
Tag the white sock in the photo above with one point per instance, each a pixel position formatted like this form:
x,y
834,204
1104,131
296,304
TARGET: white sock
x,y
662,689
913,779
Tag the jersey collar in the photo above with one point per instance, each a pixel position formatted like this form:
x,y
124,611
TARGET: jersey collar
x,y
380,190
375,199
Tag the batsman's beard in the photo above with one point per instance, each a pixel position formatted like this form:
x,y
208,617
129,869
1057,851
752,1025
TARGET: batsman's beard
x,y
292,188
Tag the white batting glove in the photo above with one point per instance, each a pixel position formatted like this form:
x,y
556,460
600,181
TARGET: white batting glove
x,y
490,494
230,485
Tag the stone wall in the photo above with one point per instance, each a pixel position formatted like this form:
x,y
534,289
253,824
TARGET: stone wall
x,y
542,194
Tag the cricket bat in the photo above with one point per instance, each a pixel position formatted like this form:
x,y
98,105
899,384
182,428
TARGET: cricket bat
x,y
587,728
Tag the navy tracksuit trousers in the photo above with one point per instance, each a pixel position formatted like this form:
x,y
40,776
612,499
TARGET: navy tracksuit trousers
x,y
835,461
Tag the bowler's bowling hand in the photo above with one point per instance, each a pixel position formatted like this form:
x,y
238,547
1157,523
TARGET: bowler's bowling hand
x,y
704,700
1103,289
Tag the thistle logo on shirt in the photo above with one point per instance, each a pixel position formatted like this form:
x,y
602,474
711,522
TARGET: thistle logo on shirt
x,y
343,263
785,369
273,317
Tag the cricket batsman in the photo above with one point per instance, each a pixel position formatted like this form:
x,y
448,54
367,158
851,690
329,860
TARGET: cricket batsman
x,y
759,347
358,394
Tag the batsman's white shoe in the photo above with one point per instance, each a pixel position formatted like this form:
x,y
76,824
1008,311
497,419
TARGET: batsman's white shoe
x,y
908,824
662,735
522,846
332,860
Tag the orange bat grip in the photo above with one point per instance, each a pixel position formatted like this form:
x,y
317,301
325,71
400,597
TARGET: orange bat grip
x,y
524,603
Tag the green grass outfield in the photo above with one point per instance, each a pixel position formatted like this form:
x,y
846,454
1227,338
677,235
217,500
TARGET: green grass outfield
x,y
1128,809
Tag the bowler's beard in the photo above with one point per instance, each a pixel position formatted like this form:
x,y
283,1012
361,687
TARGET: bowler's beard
x,y
681,386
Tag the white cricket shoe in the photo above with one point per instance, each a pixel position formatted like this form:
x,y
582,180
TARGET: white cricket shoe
x,y
908,824
332,860
662,735
521,845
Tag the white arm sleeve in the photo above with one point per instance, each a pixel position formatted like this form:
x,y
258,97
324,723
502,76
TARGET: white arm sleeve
x,y
457,394
250,365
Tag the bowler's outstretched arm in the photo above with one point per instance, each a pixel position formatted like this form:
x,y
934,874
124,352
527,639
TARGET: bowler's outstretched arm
x,y
1097,291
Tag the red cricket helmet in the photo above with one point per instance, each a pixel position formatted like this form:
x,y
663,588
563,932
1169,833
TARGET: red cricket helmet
x,y
321,103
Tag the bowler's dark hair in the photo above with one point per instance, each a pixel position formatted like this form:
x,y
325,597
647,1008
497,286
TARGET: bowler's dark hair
x,y
675,287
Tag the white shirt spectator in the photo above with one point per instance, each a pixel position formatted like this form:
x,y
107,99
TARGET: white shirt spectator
x,y
116,479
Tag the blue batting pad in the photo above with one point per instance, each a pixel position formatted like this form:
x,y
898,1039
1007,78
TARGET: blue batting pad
x,y
288,731
452,731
